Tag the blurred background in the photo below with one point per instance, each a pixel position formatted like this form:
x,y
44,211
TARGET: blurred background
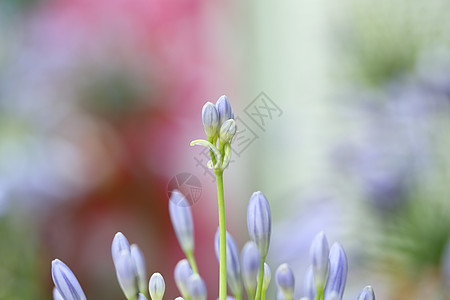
x,y
343,112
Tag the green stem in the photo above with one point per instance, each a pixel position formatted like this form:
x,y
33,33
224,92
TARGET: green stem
x,y
251,295
319,295
238,297
263,295
260,278
222,237
191,259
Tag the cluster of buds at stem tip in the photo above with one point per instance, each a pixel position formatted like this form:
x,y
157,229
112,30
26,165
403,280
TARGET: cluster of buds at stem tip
x,y
233,264
220,128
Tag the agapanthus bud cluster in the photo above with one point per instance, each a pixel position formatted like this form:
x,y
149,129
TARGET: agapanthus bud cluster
x,y
220,128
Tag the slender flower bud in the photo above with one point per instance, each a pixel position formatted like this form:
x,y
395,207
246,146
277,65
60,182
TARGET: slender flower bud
x,y
259,222
210,119
333,296
280,295
197,288
250,264
267,277
319,252
141,297
119,244
65,281
227,131
182,273
156,286
127,274
285,280
138,258
224,109
181,217
338,272
56,294
367,294
233,264
309,285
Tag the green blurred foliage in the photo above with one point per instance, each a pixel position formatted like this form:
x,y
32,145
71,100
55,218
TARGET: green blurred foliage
x,y
384,41
19,265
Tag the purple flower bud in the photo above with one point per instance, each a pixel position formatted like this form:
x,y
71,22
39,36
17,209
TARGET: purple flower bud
x,y
367,294
224,110
233,264
210,119
285,280
181,217
250,264
338,272
319,252
56,294
280,295
65,281
156,286
182,273
197,288
309,285
127,274
259,222
227,131
138,258
119,244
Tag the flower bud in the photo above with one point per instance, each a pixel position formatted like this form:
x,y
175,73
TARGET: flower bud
x,y
224,110
210,119
259,222
319,252
127,274
156,286
267,277
309,285
141,297
280,295
181,217
138,258
65,281
182,273
197,288
338,272
227,131
367,294
56,294
250,264
233,264
285,280
119,244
